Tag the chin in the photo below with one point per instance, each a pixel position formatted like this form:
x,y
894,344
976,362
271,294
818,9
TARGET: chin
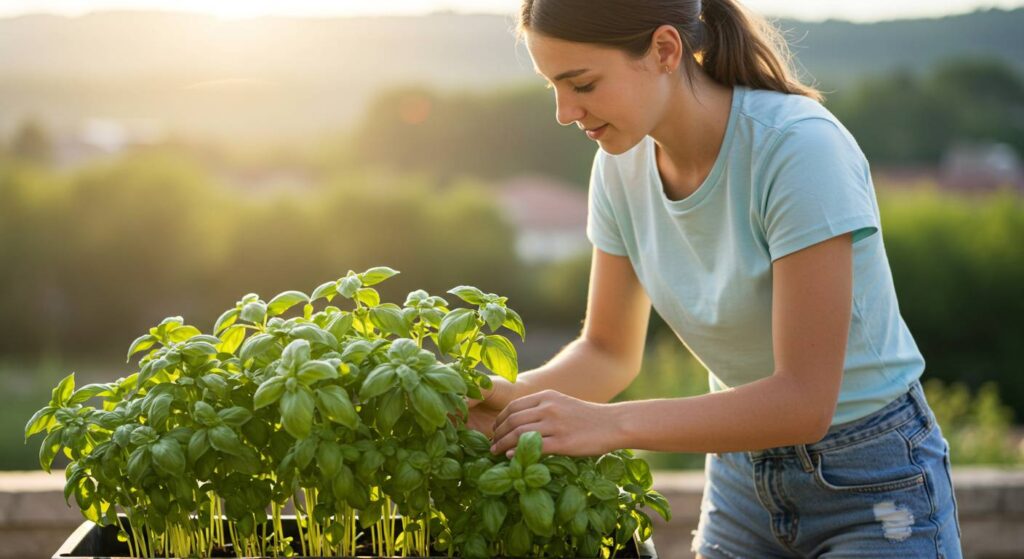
x,y
617,148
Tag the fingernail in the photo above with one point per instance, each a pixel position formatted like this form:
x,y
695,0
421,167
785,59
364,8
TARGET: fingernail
x,y
494,448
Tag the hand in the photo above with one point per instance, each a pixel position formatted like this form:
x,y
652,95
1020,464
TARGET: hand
x,y
482,413
568,426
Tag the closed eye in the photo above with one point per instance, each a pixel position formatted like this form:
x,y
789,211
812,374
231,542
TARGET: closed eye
x,y
584,88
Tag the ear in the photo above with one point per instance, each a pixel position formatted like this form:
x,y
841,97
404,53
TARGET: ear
x,y
666,48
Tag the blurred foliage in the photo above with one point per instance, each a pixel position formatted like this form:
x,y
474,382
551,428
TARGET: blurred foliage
x,y
959,274
491,135
901,118
978,426
93,257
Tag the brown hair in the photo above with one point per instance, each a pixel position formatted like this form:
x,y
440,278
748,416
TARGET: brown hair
x,y
733,46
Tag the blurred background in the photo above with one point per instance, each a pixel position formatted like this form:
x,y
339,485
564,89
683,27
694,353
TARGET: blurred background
x,y
165,158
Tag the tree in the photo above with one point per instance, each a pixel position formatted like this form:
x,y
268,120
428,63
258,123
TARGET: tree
x,y
32,142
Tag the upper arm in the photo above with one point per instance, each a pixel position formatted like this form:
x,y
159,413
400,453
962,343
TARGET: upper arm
x,y
812,292
617,310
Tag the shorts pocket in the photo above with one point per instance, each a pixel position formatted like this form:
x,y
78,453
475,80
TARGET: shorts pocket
x,y
876,465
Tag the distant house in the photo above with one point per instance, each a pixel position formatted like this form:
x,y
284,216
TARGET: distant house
x,y
100,137
549,215
982,167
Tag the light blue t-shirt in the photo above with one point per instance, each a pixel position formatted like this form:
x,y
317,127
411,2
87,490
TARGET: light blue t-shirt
x,y
788,176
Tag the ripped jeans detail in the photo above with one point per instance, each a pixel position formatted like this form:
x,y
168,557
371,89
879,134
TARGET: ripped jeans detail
x,y
876,487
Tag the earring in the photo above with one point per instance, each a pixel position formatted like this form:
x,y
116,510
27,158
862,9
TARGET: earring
x,y
668,70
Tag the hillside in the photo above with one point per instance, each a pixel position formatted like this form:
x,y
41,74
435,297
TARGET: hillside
x,y
294,77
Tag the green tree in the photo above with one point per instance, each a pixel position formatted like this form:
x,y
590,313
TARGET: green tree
x,y
32,142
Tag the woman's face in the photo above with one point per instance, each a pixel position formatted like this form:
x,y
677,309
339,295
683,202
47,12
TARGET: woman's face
x,y
600,89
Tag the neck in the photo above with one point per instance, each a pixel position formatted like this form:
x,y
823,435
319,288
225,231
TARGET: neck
x,y
689,135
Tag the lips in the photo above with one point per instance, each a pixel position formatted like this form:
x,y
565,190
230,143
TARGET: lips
x,y
595,133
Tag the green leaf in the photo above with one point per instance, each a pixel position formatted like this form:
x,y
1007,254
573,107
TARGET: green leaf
x,y
571,501
256,346
227,318
445,380
48,450
388,318
40,421
538,510
168,457
336,406
379,381
160,409
315,371
235,416
469,294
89,391
493,315
340,324
329,459
528,449
390,410
640,472
204,414
327,289
520,541
268,392
493,513
578,526
296,353
373,276
604,489
315,335
62,393
514,322
183,333
348,286
659,504
448,469
537,475
255,312
138,464
141,343
297,413
499,356
495,481
284,301
455,326
368,296
198,444
225,440
611,468
231,339
429,405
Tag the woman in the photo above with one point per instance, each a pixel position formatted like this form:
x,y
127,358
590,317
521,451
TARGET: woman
x,y
725,195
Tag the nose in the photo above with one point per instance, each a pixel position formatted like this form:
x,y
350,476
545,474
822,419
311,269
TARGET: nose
x,y
567,110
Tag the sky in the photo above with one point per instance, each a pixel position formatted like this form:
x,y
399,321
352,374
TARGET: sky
x,y
811,10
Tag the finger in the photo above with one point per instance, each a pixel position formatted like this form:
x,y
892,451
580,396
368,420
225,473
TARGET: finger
x,y
511,438
525,417
521,404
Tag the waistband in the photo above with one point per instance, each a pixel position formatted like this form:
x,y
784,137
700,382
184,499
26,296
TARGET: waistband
x,y
904,408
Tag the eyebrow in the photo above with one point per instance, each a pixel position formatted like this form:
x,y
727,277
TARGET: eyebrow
x,y
569,74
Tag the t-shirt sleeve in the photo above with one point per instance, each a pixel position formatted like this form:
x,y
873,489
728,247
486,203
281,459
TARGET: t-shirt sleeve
x,y
818,187
602,229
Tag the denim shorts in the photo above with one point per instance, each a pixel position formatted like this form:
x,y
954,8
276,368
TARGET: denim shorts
x,y
876,487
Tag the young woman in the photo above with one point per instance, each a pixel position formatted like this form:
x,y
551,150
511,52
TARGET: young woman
x,y
725,195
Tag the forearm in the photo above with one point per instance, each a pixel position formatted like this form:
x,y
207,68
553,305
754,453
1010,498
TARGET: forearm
x,y
771,412
582,370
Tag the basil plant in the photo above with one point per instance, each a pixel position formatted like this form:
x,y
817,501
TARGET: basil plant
x,y
354,414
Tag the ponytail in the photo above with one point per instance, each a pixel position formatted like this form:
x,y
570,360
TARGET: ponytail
x,y
733,46
742,49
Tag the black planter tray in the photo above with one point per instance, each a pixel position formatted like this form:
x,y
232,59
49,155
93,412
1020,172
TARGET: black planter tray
x,y
90,541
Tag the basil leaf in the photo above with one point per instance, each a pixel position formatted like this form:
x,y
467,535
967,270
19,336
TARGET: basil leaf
x,y
297,413
499,355
336,406
268,392
455,326
227,318
469,294
538,510
284,301
373,276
